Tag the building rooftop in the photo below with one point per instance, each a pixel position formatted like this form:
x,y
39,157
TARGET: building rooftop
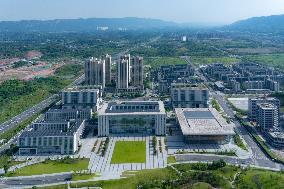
x,y
267,106
82,89
188,85
31,132
132,107
203,121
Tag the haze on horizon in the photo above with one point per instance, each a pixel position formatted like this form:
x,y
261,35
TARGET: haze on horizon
x,y
182,11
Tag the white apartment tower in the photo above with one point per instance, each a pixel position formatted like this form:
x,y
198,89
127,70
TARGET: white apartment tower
x,y
107,59
127,57
137,72
122,74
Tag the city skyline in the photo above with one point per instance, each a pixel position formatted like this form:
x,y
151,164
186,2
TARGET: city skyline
x,y
181,11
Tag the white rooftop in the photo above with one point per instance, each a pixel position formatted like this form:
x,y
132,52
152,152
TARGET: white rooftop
x,y
203,121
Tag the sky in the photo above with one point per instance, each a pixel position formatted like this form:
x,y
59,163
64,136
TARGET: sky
x,y
181,11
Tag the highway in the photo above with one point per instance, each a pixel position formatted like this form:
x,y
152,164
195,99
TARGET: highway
x,y
18,119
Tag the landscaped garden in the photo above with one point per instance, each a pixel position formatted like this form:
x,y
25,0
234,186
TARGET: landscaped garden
x,y
51,166
129,152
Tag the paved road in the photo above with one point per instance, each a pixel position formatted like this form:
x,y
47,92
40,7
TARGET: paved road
x,y
258,157
18,182
18,119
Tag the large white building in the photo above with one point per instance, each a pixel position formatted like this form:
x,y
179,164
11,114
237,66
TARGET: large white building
x,y
185,95
126,117
51,138
95,73
204,125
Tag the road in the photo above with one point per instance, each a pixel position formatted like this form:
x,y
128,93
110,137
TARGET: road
x,y
19,182
18,119
258,156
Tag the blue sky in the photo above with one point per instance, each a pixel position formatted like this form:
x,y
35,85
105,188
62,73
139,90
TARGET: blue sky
x,y
199,11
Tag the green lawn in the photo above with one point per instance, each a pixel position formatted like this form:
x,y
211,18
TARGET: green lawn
x,y
209,60
129,152
171,159
49,167
82,176
275,60
156,62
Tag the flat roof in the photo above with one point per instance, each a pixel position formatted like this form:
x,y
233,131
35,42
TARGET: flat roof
x,y
111,108
203,121
30,132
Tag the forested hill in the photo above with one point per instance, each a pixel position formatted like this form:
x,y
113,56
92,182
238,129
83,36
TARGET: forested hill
x,y
83,25
265,24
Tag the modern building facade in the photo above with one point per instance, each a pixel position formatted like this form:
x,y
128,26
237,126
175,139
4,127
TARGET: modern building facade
x,y
59,115
252,106
81,97
204,125
185,95
267,116
51,138
107,59
95,72
129,117
122,74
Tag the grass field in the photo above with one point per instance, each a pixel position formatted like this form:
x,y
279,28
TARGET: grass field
x,y
82,176
156,62
129,152
275,60
49,167
171,159
209,60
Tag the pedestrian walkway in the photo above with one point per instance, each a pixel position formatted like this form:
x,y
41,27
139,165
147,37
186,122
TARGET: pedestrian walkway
x,y
103,164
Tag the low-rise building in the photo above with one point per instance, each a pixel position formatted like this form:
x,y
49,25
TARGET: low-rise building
x,y
51,138
54,114
185,95
204,125
128,117
80,97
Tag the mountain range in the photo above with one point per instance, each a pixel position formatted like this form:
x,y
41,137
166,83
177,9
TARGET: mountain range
x,y
266,24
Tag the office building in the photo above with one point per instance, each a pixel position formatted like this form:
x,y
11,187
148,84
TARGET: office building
x,y
204,125
137,72
59,115
81,97
129,117
185,95
267,116
95,72
252,106
51,138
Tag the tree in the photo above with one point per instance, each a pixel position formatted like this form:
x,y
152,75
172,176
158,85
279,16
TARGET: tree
x,y
6,168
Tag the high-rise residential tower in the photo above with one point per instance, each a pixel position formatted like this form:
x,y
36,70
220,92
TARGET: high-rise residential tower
x,y
95,72
127,57
107,59
137,72
122,74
